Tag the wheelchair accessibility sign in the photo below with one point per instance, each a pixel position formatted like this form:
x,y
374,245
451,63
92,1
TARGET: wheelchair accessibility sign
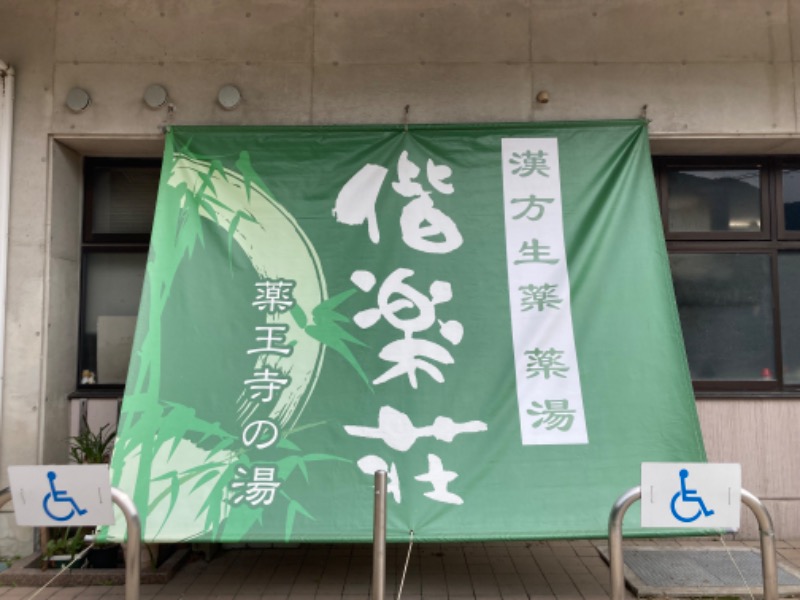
x,y
691,495
61,495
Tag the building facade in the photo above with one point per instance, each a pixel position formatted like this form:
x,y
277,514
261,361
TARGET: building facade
x,y
717,79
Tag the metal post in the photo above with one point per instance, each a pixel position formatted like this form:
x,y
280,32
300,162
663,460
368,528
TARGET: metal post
x,y
769,564
133,552
379,538
769,561
615,562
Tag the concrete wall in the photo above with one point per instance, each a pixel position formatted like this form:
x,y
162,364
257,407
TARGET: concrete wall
x,y
714,75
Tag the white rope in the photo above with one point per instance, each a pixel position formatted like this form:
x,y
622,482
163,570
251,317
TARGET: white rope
x,y
65,567
405,567
749,591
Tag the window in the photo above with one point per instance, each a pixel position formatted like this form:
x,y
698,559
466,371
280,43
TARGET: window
x,y
119,202
733,235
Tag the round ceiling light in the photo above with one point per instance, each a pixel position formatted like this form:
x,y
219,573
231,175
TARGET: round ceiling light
x,y
155,96
229,97
78,99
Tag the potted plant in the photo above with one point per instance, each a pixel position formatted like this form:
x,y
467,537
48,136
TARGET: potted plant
x,y
89,447
92,448
62,550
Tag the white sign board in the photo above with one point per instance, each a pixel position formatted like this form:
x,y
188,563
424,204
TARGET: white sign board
x,y
691,495
61,495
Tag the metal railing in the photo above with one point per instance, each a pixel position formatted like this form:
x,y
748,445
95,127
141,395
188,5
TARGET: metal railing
x,y
379,538
768,560
133,546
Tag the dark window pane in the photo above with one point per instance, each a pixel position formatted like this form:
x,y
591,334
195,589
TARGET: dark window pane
x,y
124,199
725,306
789,274
714,200
791,199
113,290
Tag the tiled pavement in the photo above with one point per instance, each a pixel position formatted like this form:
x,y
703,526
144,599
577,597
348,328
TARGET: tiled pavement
x,y
561,570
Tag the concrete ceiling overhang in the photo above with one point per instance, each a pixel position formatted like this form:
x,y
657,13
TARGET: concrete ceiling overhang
x,y
123,146
660,145
723,145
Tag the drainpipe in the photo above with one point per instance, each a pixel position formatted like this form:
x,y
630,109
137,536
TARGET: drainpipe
x,y
6,124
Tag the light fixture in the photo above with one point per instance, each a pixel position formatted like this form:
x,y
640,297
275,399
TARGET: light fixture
x,y
229,97
155,96
78,99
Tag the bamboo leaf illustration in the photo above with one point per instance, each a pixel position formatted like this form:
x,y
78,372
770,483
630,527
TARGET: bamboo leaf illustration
x,y
249,175
216,167
175,492
204,204
299,316
207,183
231,233
180,420
291,512
213,508
318,457
240,520
213,200
300,428
287,444
205,479
286,465
176,442
215,500
161,426
326,330
184,149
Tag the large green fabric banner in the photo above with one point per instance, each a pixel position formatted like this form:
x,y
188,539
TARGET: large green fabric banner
x,y
485,312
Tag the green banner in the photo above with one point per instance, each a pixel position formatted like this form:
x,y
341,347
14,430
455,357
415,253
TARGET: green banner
x,y
484,312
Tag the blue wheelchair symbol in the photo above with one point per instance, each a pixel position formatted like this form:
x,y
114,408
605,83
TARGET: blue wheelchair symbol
x,y
56,496
686,497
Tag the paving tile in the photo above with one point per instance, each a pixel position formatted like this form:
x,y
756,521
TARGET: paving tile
x,y
556,570
22,592
585,551
94,592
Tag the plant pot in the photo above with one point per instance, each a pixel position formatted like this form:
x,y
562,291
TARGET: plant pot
x,y
104,557
58,561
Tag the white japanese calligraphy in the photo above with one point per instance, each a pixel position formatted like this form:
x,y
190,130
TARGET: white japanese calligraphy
x,y
409,353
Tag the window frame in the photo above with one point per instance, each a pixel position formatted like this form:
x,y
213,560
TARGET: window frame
x,y
94,243
712,164
782,233
772,241
92,166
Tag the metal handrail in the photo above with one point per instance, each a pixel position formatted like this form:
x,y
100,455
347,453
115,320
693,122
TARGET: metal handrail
x,y
133,547
769,562
615,563
379,538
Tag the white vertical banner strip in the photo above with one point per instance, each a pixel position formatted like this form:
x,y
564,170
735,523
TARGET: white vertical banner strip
x,y
545,362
